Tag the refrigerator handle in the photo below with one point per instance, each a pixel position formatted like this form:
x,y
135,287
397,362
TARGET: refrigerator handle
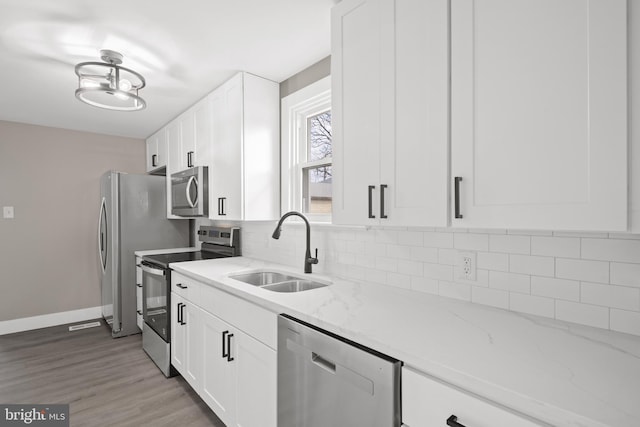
x,y
101,248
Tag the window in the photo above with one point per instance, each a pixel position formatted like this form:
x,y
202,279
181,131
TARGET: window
x,y
306,151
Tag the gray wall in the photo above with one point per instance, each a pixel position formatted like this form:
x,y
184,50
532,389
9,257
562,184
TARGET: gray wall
x,y
48,252
311,74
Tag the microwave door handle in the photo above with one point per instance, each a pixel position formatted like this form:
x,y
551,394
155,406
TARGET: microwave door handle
x,y
188,193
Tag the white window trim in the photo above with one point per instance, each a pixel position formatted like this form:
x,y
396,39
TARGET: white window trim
x,y
310,100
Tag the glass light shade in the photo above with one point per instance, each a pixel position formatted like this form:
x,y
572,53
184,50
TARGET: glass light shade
x,y
110,86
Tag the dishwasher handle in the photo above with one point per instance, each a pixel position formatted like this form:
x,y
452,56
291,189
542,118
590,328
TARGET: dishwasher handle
x,y
323,363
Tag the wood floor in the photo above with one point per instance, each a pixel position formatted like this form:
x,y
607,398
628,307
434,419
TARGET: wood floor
x,y
106,381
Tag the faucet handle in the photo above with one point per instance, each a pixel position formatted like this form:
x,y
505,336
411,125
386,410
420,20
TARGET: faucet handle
x,y
315,259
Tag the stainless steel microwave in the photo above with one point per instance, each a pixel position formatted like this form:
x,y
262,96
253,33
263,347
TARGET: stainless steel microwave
x,y
190,192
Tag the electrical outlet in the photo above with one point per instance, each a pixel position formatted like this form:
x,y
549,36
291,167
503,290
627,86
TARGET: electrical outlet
x,y
466,266
7,212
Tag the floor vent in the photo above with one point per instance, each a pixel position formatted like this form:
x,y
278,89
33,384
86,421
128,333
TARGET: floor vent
x,y
83,326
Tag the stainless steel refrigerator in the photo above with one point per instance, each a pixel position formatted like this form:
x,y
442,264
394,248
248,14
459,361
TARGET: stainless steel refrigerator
x,y
133,216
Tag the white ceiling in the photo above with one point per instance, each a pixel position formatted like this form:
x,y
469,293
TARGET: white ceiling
x,y
184,49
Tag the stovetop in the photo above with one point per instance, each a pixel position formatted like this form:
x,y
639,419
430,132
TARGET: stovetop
x,y
165,259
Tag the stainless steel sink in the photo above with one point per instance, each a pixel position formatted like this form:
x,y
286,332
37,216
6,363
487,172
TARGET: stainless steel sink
x,y
262,278
278,282
294,286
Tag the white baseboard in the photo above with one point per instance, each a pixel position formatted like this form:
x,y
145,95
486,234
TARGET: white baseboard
x,y
46,320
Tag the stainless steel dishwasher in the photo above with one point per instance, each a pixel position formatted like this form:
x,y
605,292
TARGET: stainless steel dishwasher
x,y
325,380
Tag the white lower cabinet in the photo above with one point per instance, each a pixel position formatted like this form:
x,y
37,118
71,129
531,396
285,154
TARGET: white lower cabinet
x,y
233,372
427,402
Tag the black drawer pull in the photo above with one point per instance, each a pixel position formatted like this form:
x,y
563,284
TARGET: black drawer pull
x,y
229,358
224,344
382,187
456,186
181,286
371,188
453,422
139,312
154,160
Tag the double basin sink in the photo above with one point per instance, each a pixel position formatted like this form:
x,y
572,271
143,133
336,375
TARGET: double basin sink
x,y
277,282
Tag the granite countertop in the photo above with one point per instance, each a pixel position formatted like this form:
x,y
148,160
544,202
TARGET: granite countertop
x,y
560,373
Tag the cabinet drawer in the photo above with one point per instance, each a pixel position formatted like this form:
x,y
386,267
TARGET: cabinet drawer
x,y
257,322
427,402
187,288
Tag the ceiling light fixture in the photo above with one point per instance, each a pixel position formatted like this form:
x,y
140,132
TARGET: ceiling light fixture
x,y
108,85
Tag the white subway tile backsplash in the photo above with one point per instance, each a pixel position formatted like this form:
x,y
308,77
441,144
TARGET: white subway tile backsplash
x,y
438,271
410,238
386,236
424,284
493,261
565,247
531,304
510,244
438,239
447,256
555,288
611,250
610,296
625,321
424,254
471,241
413,268
510,282
589,271
533,265
460,291
492,297
399,280
625,274
584,314
386,264
586,278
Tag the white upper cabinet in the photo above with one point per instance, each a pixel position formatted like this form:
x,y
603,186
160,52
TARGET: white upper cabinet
x,y
389,111
157,151
244,177
539,113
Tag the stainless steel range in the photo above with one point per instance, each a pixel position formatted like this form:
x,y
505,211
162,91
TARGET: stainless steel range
x,y
218,242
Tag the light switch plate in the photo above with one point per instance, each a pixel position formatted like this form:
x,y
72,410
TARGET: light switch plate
x,y
7,212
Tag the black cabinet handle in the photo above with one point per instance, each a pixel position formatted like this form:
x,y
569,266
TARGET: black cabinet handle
x,y
224,344
154,160
382,187
139,312
453,422
181,286
179,310
138,285
229,358
456,186
221,209
182,321
190,159
371,188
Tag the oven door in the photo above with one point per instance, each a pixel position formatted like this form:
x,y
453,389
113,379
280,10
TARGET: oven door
x,y
189,192
155,298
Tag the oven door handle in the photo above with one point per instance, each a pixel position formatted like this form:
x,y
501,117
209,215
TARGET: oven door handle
x,y
151,270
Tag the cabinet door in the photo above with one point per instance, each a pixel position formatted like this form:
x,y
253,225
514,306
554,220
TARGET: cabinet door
x,y
360,69
203,145
415,126
218,372
161,139
174,158
255,386
152,153
539,132
193,318
188,146
178,334
225,176
427,402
